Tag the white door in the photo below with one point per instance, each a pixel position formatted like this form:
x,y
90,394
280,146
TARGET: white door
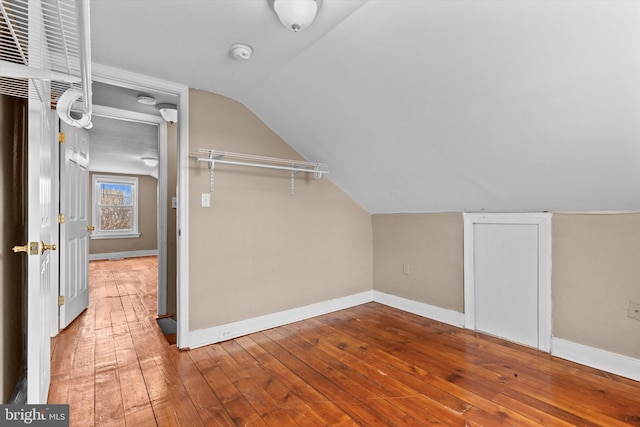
x,y
507,276
39,292
74,239
506,281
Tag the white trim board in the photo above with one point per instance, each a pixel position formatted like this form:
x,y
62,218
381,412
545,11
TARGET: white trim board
x,y
599,359
432,312
121,255
202,337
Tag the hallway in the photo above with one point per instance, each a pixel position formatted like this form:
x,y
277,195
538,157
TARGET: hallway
x,y
108,351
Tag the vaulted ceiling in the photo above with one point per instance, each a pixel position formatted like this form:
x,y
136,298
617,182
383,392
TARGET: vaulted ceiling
x,y
419,105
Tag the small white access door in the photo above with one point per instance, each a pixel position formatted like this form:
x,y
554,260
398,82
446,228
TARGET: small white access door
x,y
74,237
507,276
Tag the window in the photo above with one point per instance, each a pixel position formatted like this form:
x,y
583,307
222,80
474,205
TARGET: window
x,y
115,207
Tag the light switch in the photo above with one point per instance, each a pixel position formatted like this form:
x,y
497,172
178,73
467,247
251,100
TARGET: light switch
x,y
174,202
206,200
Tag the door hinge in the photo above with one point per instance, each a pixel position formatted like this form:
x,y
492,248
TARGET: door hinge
x,y
60,300
60,218
62,137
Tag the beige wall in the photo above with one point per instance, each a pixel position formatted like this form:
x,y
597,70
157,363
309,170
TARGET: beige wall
x,y
13,182
257,249
432,246
147,220
596,272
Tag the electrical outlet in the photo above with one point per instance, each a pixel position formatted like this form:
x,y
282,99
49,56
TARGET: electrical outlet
x,y
634,310
225,334
405,269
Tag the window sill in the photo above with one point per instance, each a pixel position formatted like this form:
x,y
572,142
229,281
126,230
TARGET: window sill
x,y
115,236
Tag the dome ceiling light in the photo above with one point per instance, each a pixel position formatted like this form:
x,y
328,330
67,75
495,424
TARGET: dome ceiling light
x,y
150,161
296,15
146,100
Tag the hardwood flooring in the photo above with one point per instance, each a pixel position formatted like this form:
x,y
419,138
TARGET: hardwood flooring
x,y
369,365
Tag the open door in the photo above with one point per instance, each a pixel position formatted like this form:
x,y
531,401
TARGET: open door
x,y
37,248
74,234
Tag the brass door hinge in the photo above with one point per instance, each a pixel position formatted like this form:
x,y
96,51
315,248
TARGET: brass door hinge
x,y
60,218
61,300
62,137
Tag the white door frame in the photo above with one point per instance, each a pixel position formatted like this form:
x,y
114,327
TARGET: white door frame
x,y
543,221
127,79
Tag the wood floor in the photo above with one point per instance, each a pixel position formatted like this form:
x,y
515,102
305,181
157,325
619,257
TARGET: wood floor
x,y
369,365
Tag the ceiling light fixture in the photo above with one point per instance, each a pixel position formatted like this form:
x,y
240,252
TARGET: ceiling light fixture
x,y
149,161
296,15
169,112
146,100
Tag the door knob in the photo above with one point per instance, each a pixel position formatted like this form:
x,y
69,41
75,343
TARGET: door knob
x,y
45,247
31,248
90,228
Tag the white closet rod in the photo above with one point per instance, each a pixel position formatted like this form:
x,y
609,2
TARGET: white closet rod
x,y
238,159
258,165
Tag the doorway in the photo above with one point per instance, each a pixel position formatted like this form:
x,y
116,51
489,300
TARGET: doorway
x,y
507,276
13,231
176,233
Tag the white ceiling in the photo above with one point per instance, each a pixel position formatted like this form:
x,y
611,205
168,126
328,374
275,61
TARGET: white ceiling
x,y
117,146
419,105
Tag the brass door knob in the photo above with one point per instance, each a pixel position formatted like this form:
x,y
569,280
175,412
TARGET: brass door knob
x,y
90,228
45,247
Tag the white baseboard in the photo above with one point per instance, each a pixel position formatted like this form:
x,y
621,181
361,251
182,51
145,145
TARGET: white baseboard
x,y
600,359
606,361
440,314
202,337
121,255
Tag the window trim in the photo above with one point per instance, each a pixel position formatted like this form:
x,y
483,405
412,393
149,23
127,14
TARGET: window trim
x,y
115,234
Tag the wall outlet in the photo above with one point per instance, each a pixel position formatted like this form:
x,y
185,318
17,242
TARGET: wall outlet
x,y
405,269
225,334
634,310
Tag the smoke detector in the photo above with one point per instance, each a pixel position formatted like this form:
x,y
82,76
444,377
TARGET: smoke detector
x,y
241,51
